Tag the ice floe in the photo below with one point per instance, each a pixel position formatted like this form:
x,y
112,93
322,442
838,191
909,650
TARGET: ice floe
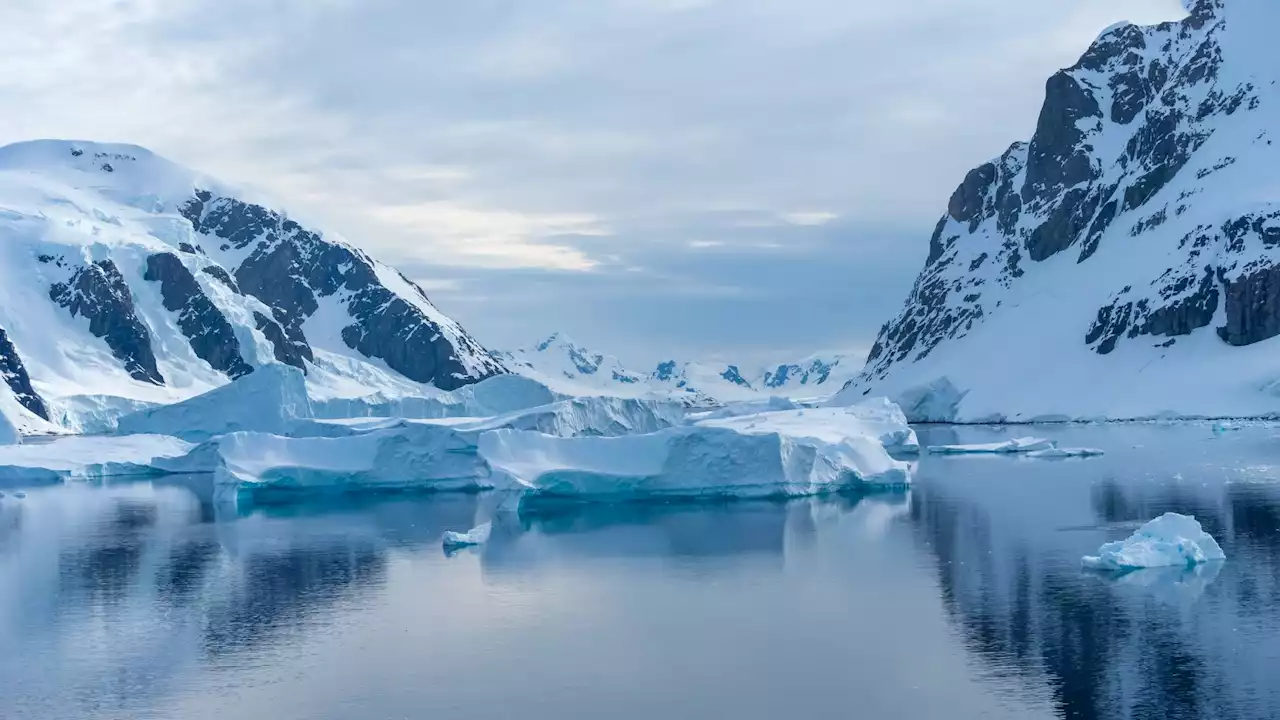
x,y
1171,540
1007,447
86,457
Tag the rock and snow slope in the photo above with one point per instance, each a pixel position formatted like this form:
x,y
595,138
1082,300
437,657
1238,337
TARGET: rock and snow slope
x,y
125,276
567,367
1126,261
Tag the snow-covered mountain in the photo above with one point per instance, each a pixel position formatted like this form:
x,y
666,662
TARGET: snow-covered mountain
x,y
566,366
126,279
1126,261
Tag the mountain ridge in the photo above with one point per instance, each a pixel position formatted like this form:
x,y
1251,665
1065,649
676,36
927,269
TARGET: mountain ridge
x,y
1123,262
129,276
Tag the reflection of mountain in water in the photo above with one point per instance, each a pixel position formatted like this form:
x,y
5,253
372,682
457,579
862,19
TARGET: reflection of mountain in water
x,y
79,563
1162,644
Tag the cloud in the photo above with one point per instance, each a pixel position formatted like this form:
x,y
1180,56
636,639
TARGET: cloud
x,y
572,140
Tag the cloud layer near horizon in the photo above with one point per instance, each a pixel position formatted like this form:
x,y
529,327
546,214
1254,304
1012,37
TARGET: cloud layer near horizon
x,y
657,177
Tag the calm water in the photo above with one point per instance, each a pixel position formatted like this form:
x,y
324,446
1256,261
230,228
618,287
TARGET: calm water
x,y
960,599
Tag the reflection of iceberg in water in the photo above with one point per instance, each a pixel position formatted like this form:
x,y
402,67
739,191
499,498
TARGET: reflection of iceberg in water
x,y
727,530
1177,586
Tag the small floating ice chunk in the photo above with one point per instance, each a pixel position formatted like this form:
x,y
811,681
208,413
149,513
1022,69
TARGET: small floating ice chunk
x,y
20,495
1171,540
1008,447
1220,428
475,536
1059,452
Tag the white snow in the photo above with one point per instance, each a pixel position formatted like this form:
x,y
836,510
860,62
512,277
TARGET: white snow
x,y
60,208
478,535
1171,540
1007,447
271,399
82,457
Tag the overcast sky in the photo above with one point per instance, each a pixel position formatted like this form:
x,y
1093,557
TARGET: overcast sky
x,y
745,179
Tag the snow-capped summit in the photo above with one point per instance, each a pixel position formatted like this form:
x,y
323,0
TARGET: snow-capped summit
x,y
126,279
1126,261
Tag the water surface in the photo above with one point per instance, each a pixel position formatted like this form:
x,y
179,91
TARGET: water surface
x,y
960,599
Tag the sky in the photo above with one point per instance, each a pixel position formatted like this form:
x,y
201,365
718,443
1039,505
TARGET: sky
x,y
746,180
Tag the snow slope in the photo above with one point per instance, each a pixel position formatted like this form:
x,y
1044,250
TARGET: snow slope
x,y
569,368
126,279
1125,263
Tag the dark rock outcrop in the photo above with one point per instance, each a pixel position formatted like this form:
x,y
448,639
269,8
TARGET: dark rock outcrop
x,y
14,374
211,336
99,292
291,268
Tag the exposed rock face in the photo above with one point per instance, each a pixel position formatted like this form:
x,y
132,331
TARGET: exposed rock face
x,y
14,374
212,337
99,292
1145,180
293,269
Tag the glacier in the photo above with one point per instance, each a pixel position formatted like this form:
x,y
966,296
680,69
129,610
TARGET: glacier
x,y
9,434
271,399
1171,540
497,395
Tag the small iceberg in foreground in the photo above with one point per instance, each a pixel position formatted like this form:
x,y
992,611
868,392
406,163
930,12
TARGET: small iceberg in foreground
x,y
1171,540
475,536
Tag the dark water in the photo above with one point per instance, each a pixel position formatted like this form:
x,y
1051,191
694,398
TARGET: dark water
x,y
960,599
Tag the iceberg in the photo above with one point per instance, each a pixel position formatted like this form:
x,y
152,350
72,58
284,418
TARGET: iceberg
x,y
9,434
747,407
86,458
877,418
1008,447
498,395
475,536
271,399
1171,540
381,455
691,462
409,456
